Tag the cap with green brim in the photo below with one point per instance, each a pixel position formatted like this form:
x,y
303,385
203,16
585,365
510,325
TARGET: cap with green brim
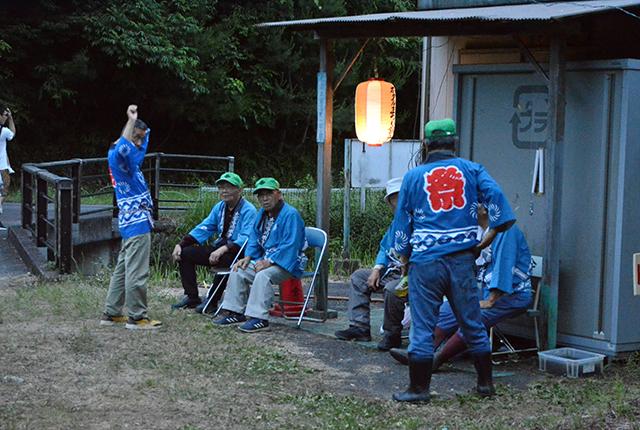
x,y
440,128
231,178
266,184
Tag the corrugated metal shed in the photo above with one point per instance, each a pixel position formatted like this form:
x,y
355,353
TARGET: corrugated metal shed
x,y
556,21
503,19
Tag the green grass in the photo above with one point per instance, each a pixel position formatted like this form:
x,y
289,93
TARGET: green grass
x,y
193,375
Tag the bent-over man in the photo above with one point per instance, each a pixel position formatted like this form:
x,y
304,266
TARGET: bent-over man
x,y
505,276
437,232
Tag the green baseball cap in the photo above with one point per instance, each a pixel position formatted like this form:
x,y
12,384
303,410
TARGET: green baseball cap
x,y
266,184
231,178
440,128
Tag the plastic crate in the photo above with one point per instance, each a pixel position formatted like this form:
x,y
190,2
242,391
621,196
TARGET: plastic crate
x,y
571,362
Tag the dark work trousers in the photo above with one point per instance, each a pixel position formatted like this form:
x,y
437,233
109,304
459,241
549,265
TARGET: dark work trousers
x,y
393,311
193,256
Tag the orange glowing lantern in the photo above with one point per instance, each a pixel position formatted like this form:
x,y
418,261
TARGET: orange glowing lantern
x,y
375,111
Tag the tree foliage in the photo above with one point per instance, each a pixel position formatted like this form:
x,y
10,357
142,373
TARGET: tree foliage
x,y
206,79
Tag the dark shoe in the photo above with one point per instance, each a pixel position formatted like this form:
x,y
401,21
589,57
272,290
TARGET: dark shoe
x,y
390,340
200,307
255,325
187,303
212,309
400,355
111,320
2,227
482,363
143,324
419,383
231,319
353,333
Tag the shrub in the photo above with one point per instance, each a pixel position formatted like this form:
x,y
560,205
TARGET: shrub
x,y
367,227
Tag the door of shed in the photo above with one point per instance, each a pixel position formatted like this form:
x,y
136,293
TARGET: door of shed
x,y
502,118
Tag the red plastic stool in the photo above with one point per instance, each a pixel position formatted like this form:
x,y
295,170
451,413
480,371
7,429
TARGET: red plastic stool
x,y
293,297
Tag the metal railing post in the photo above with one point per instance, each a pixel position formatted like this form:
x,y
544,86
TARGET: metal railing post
x,y
65,194
41,210
76,177
116,210
42,214
232,163
26,212
155,195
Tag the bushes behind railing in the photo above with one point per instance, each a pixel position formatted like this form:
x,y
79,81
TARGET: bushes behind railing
x,y
367,228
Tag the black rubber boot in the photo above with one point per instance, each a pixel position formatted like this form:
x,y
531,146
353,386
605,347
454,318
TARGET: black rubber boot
x,y
419,383
483,365
400,355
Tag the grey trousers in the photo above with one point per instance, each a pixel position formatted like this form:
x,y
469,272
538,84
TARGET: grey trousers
x,y
360,299
128,285
251,294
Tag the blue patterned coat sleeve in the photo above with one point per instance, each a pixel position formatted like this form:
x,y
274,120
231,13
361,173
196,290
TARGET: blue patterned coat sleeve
x,y
132,194
386,244
214,223
509,269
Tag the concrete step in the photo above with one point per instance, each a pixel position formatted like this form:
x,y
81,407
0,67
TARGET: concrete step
x,y
11,265
19,256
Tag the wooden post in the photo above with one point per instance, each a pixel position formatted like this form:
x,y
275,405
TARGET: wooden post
x,y
76,177
346,218
27,197
555,161
64,222
324,140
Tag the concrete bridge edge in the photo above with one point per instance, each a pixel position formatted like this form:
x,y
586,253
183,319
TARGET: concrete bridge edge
x,y
30,254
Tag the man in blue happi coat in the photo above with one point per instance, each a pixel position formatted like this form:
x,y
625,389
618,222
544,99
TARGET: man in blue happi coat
x,y
436,232
274,253
505,276
128,285
232,219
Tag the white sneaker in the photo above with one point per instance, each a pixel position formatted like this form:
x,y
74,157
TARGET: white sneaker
x,y
1,210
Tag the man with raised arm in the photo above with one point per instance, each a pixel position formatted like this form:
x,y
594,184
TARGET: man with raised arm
x,y
436,230
128,285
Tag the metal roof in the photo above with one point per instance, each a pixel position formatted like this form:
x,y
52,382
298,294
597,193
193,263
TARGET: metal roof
x,y
464,21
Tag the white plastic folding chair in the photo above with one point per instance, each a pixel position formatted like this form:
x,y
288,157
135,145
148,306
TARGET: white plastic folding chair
x,y
222,273
318,239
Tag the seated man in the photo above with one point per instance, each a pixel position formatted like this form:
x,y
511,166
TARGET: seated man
x,y
232,219
505,276
383,278
274,254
